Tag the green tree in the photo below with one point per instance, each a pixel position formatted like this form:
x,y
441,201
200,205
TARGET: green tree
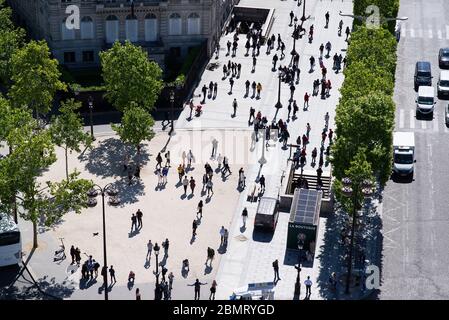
x,y
35,77
388,9
358,171
67,130
136,126
12,119
365,122
33,152
130,76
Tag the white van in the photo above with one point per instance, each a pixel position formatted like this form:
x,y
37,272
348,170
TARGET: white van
x,y
426,100
443,84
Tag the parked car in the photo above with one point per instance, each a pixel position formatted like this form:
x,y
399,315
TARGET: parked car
x,y
443,84
443,58
425,101
446,111
423,74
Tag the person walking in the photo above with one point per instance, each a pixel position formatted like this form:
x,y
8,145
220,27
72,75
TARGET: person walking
x,y
259,89
133,222
200,209
167,159
253,86
170,280
319,172
312,62
292,92
262,183
210,255
214,147
231,83
254,64
321,50
192,184
306,101
139,216
197,284
275,60
308,284
295,109
340,27
328,48
292,15
215,90
252,112
194,227
276,270
228,45
244,216
112,274
239,69
314,154
72,254
78,256
327,20
331,134
209,186
347,31
185,183
234,106
213,289
222,234
149,249
190,158
247,84
180,172
138,297
166,245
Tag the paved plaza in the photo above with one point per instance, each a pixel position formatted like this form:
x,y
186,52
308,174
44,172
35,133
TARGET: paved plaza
x,y
167,213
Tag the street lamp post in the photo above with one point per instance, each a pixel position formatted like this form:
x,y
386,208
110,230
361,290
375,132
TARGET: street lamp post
x,y
278,104
298,268
295,37
111,191
348,191
172,102
303,18
91,107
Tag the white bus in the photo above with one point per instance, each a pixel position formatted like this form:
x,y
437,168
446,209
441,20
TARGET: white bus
x,y
10,242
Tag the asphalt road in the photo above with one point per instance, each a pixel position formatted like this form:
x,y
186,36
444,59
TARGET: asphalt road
x,y
415,214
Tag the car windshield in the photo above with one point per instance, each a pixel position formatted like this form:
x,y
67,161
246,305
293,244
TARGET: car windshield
x,y
444,83
445,53
403,158
424,74
425,100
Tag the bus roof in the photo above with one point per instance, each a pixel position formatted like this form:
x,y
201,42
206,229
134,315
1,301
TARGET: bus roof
x,y
7,223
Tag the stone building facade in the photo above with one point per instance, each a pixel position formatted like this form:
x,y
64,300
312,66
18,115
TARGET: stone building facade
x,y
161,27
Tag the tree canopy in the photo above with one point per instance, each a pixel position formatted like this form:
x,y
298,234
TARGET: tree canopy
x,y
130,76
35,77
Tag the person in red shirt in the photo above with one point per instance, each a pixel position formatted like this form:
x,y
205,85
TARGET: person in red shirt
x,y
328,87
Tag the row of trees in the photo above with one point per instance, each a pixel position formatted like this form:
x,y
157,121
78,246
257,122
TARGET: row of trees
x,y
365,113
31,78
387,8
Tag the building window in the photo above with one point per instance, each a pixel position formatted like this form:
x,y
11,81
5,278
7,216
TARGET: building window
x,y
66,33
175,51
111,29
193,24
87,28
131,28
69,57
174,24
88,56
151,32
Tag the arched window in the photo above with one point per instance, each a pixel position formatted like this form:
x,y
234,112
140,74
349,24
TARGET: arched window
x,y
131,28
151,32
67,32
87,28
174,24
111,29
193,24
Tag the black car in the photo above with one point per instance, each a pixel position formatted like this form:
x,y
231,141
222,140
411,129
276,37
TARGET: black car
x,y
423,74
443,58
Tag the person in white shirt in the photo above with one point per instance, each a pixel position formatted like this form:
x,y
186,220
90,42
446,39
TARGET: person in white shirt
x,y
308,284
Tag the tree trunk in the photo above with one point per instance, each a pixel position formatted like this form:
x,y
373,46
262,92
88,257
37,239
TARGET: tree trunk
x,y
66,165
35,235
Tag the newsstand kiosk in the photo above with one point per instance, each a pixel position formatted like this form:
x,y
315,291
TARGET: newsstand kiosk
x,y
304,221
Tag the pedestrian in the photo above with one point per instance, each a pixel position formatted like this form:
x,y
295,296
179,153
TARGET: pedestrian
x,y
112,274
225,71
164,272
192,184
190,158
259,88
165,245
289,109
328,48
247,46
295,108
328,87
77,256
149,249
180,170
239,69
326,119
213,289
327,20
170,280
268,46
139,216
96,267
242,178
204,89
273,39
228,45
253,86
211,88
209,186
308,284
308,128
319,172
247,84
72,254
276,270
306,101
214,147
252,111
292,15
185,183
347,31
164,174
254,64
321,50
222,234
200,209
167,159
231,83
331,134
323,137
197,284
314,154
138,297
210,255
312,62
275,60
262,183
340,27
292,91
126,162
215,90
133,222
158,160
234,106
244,216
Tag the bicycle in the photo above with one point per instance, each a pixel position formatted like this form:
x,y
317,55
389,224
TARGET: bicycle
x,y
60,253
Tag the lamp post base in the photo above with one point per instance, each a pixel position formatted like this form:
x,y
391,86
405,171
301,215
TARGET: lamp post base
x,y
278,105
262,160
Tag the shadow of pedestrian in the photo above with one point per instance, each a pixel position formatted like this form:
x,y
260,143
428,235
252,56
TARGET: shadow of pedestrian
x,y
147,264
242,229
183,196
133,233
190,196
130,285
207,269
222,249
192,240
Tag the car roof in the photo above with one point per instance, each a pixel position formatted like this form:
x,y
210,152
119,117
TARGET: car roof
x,y
423,65
444,75
426,91
266,206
